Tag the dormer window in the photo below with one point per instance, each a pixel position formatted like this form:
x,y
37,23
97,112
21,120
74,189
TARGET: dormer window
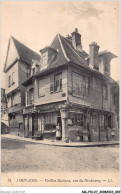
x,y
47,56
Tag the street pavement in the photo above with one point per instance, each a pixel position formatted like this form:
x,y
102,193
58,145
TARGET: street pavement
x,y
60,143
23,156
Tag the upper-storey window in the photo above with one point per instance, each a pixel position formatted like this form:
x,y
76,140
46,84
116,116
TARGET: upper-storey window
x,y
58,82
9,81
13,78
29,97
80,85
105,91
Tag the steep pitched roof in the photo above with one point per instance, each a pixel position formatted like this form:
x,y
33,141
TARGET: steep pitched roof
x,y
72,54
24,53
65,54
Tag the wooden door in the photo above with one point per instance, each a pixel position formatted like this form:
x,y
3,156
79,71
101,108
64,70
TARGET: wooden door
x,y
34,123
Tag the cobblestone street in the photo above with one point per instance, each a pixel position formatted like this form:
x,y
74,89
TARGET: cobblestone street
x,y
22,157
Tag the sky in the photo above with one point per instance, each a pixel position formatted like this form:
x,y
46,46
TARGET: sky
x,y
36,23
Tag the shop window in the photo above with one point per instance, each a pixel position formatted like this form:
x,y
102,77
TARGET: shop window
x,y
77,120
50,121
102,122
70,122
95,122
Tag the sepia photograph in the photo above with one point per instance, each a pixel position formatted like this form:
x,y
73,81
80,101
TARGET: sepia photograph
x,y
60,94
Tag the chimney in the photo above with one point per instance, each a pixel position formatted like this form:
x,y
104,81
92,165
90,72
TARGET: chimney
x,y
93,56
105,58
76,40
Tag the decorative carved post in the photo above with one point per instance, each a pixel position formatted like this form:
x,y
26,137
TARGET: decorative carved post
x,y
26,133
64,124
42,124
39,122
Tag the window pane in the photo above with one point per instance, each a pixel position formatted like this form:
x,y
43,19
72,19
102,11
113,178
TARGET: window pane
x,y
77,84
58,82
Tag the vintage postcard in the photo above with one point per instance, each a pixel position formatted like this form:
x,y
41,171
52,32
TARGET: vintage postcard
x,y
60,94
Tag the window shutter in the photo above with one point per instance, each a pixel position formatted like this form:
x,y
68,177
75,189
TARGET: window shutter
x,y
9,81
61,84
51,83
27,97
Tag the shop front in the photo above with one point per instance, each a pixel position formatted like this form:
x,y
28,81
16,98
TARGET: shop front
x,y
87,125
46,122
67,124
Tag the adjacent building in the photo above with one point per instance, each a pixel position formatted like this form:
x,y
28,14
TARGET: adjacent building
x,y
3,102
17,69
70,90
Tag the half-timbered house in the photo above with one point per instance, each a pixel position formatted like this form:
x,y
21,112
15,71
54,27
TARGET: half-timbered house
x,y
73,91
17,69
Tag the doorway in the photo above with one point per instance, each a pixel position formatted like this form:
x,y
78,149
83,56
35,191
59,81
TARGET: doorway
x,y
34,123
